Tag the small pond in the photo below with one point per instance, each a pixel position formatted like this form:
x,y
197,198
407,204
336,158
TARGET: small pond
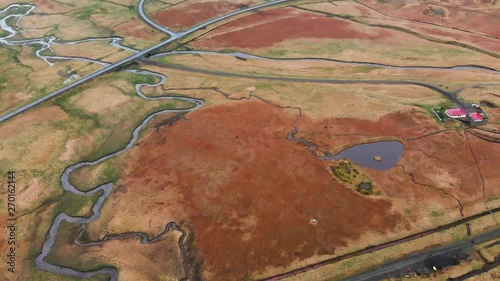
x,y
364,154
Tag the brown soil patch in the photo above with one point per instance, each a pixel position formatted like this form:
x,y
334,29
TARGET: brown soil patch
x,y
274,26
29,194
193,14
70,149
247,193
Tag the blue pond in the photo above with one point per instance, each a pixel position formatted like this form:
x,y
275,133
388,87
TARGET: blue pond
x,y
363,154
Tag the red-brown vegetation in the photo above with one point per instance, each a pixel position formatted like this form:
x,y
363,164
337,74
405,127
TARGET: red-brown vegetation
x,y
267,28
247,193
190,15
443,160
473,16
429,24
134,28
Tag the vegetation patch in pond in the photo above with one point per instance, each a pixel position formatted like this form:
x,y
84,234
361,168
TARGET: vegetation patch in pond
x,y
380,155
347,173
366,188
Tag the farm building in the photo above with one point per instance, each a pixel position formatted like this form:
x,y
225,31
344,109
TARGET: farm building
x,y
476,117
456,113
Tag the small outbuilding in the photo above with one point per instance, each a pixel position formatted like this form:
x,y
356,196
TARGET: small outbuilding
x,y
456,113
476,117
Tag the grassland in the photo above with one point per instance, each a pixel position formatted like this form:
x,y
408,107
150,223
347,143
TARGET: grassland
x,y
346,172
446,79
345,40
97,119
489,98
317,113
319,100
68,20
28,77
350,266
34,145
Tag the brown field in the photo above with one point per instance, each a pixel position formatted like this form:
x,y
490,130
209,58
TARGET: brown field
x,y
184,16
233,201
41,142
226,173
198,201
475,16
160,261
137,30
290,32
270,27
232,197
441,29
361,263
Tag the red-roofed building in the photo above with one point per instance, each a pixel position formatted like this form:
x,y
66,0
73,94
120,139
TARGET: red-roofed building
x,y
456,113
476,117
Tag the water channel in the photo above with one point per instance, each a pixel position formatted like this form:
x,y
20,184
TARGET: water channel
x,y
363,154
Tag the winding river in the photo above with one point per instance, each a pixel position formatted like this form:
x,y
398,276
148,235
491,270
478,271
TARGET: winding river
x,y
16,12
106,189
9,23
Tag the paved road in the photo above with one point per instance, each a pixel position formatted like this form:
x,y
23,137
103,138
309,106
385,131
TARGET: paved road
x,y
145,18
394,268
375,248
450,96
124,62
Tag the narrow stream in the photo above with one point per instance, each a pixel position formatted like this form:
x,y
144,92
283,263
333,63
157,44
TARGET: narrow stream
x,y
16,12
106,189
13,14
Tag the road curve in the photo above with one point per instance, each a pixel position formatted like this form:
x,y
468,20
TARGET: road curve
x,y
145,18
124,62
